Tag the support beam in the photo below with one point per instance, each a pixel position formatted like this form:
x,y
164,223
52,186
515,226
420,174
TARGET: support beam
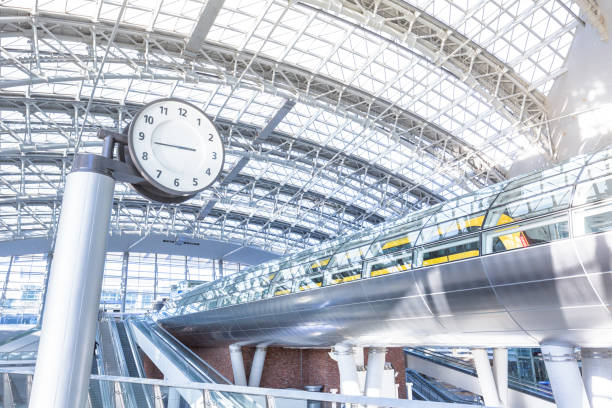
x,y
257,366
485,377
597,376
564,376
237,365
349,383
500,374
202,27
124,276
374,374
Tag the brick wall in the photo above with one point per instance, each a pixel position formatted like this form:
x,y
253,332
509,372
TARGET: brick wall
x,y
288,368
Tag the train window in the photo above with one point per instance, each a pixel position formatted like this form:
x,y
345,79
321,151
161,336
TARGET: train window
x,y
592,220
531,207
312,282
593,190
319,265
283,288
526,235
451,251
389,264
343,276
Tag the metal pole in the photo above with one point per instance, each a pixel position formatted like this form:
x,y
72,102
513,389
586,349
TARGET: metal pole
x,y
64,360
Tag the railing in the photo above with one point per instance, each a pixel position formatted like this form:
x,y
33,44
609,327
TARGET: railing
x,y
433,392
514,383
15,393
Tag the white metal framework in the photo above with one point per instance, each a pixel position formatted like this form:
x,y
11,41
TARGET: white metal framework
x,y
336,114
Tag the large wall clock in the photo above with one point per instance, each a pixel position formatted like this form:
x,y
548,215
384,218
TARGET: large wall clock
x,y
175,147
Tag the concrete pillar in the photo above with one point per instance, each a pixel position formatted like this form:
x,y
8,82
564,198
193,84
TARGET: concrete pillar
x,y
485,377
564,376
359,356
500,374
374,375
237,365
257,366
349,383
597,376
63,365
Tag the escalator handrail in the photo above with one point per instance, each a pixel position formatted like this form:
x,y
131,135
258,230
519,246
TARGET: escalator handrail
x,y
460,365
120,358
137,361
446,395
104,386
190,359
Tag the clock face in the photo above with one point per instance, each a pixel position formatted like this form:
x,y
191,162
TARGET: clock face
x,y
175,146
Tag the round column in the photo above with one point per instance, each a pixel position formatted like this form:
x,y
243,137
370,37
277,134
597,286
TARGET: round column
x,y
349,384
257,366
500,374
564,376
374,374
597,375
237,365
485,377
63,366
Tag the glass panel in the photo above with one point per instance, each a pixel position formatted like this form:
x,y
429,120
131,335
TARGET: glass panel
x,y
526,235
541,185
343,276
531,207
594,190
593,220
452,228
596,170
451,251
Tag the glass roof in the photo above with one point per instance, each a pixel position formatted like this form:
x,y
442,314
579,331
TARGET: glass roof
x,y
379,128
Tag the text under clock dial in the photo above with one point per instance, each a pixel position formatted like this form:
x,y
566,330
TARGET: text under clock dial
x,y
176,147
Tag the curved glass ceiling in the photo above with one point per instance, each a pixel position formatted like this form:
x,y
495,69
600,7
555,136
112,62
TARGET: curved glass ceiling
x,y
377,124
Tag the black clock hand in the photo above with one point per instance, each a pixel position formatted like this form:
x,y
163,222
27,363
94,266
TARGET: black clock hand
x,y
178,147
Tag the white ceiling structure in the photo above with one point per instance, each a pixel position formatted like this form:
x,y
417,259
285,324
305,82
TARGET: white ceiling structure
x,y
336,114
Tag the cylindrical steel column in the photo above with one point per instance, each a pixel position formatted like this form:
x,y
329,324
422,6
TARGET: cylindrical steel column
x,y
564,376
63,366
257,366
237,364
597,376
485,377
374,373
500,374
349,384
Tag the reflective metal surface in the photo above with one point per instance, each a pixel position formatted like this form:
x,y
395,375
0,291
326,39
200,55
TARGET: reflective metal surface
x,y
517,264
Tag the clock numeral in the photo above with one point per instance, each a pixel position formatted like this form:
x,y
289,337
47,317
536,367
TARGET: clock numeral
x,y
195,181
208,172
182,111
159,172
141,135
210,137
214,155
177,182
145,156
148,119
199,122
163,110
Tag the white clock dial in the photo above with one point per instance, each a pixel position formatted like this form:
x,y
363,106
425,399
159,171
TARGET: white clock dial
x,y
175,146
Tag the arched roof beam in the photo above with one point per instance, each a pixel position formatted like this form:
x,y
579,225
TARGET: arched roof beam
x,y
512,95
241,68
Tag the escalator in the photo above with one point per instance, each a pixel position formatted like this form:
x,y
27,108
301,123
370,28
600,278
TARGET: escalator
x,y
427,389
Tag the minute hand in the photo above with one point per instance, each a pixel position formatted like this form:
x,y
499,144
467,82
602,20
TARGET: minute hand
x,y
177,146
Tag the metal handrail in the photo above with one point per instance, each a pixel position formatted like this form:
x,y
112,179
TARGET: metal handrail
x,y
270,394
434,392
460,365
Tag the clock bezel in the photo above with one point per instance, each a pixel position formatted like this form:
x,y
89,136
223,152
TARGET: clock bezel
x,y
149,178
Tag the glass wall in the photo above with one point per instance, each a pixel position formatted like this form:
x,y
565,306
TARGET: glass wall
x,y
132,282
